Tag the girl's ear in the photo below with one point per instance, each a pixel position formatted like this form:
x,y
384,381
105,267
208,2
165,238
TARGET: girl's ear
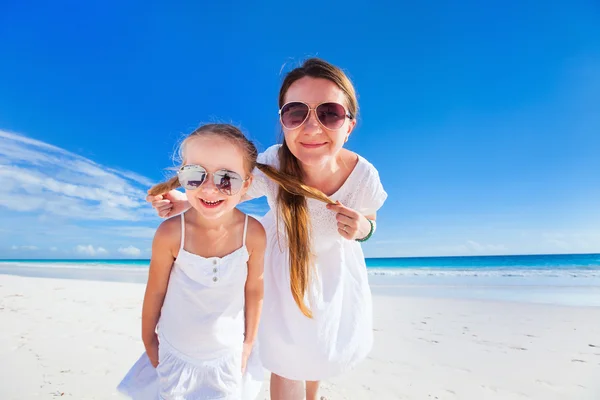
x,y
247,184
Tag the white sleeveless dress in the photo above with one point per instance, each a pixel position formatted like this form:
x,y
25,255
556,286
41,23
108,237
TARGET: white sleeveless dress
x,y
340,334
201,333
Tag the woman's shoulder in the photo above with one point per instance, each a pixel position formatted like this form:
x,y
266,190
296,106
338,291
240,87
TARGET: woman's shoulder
x,y
362,168
363,189
270,156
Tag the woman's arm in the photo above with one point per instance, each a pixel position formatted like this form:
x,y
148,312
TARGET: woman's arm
x,y
169,204
156,288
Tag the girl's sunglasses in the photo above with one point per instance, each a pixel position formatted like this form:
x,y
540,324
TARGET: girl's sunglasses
x,y
330,115
191,177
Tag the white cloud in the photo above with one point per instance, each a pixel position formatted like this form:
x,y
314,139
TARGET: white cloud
x,y
140,232
27,248
37,177
488,242
53,248
130,251
426,246
574,242
133,176
479,248
89,250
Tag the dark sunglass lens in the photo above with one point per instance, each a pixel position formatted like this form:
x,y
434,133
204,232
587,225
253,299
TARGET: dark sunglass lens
x,y
293,114
192,179
229,183
331,115
194,184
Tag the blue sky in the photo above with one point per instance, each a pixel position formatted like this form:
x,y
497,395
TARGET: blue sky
x,y
481,118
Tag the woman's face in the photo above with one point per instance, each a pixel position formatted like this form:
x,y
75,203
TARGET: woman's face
x,y
312,143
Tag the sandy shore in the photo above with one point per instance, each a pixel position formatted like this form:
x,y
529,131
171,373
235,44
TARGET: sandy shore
x,y
76,339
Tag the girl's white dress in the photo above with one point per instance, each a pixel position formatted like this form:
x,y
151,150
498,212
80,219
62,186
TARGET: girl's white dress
x,y
201,333
340,333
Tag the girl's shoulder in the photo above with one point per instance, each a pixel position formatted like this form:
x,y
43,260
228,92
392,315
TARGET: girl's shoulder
x,y
168,232
256,237
169,226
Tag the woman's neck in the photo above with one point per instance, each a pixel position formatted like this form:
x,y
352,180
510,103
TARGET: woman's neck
x,y
329,176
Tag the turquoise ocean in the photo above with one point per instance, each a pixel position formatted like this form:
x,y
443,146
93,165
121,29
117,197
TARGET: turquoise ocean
x,y
567,279
544,265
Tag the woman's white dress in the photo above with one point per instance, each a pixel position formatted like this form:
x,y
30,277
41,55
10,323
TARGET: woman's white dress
x,y
340,333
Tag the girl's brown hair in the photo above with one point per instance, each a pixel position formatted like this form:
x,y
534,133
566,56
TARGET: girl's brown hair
x,y
292,206
299,244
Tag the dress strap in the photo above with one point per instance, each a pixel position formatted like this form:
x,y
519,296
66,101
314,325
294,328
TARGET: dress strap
x,y
245,229
182,231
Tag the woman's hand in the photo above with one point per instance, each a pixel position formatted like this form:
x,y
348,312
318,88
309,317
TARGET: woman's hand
x,y
351,224
169,204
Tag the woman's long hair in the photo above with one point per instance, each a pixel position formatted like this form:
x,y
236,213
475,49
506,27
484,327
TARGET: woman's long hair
x,y
293,208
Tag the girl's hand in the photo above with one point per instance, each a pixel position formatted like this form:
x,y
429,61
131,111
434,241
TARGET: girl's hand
x,y
351,224
169,204
152,351
245,355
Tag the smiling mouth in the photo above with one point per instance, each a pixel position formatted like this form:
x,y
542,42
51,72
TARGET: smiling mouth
x,y
313,145
211,204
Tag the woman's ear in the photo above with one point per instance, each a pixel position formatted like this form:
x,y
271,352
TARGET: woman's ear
x,y
351,126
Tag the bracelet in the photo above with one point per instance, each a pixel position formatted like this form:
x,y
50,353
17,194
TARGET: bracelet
x,y
370,232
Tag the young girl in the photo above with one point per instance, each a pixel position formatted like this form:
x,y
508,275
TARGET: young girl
x,y
317,319
205,285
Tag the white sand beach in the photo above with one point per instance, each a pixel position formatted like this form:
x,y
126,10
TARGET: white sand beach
x,y
71,338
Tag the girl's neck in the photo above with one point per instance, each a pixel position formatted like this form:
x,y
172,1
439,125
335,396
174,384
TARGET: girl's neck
x,y
222,222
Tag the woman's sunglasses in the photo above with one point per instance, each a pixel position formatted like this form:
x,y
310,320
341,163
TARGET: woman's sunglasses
x,y
191,177
330,115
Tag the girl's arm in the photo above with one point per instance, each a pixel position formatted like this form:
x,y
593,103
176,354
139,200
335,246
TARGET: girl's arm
x,y
256,242
158,280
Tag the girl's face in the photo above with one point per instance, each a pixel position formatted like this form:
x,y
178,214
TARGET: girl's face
x,y
311,142
217,191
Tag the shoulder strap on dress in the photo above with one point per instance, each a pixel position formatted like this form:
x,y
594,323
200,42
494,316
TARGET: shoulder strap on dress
x,y
245,229
182,231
